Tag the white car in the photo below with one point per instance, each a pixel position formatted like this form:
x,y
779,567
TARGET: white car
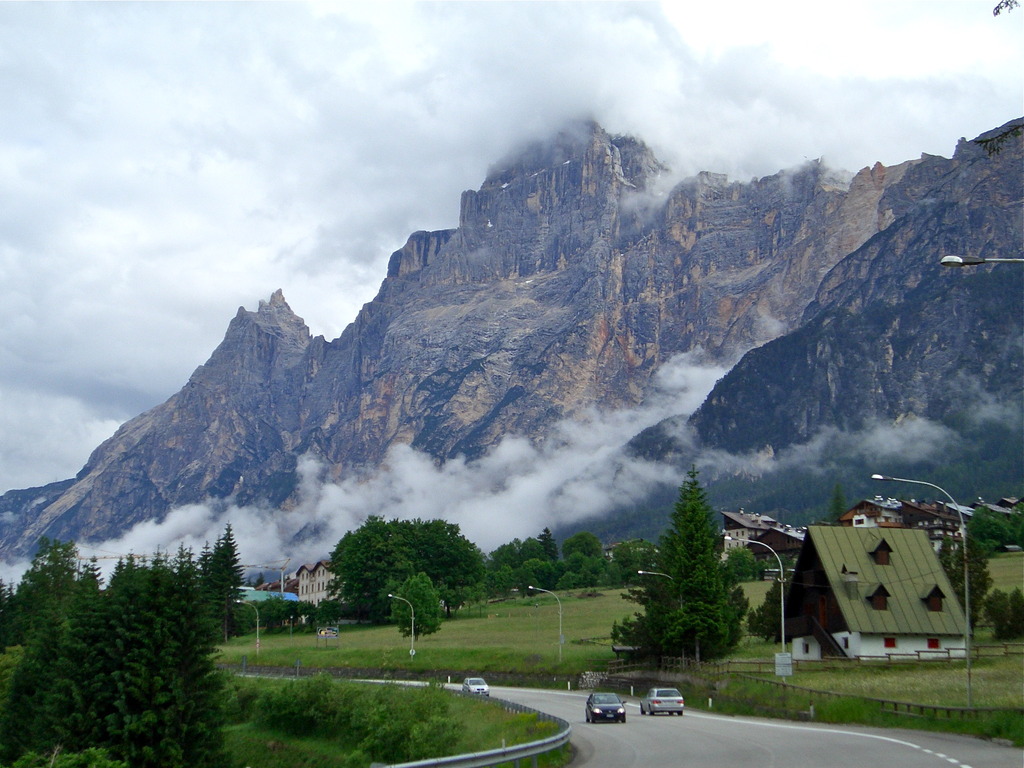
x,y
476,685
667,700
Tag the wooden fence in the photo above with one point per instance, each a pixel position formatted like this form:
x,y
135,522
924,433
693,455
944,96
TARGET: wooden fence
x,y
752,669
890,705
767,666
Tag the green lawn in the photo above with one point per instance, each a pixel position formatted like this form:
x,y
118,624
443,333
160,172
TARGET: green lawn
x,y
1007,571
521,637
514,636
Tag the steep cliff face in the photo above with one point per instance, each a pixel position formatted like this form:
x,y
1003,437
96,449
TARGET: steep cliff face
x,y
227,429
567,283
891,334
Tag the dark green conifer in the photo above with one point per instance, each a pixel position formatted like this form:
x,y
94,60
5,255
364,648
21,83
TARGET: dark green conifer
x,y
222,582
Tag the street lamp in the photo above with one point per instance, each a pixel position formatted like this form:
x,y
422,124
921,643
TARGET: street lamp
x,y
561,637
973,261
656,573
967,583
782,588
412,625
242,602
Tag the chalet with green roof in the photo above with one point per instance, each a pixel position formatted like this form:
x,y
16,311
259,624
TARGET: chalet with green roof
x,y
871,592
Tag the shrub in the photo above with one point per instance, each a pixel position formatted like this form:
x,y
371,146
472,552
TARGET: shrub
x,y
1006,613
393,717
313,706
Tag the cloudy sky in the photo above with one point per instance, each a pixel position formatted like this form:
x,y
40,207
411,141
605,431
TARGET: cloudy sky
x,y
163,164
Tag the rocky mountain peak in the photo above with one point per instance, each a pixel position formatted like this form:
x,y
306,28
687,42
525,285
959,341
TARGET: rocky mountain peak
x,y
627,158
558,294
258,346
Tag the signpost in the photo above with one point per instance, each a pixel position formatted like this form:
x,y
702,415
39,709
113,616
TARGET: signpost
x,y
326,634
784,664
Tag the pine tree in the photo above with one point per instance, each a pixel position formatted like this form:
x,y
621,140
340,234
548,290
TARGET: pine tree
x,y
6,614
128,670
692,607
194,717
837,506
84,666
41,606
547,541
703,625
222,579
40,601
164,691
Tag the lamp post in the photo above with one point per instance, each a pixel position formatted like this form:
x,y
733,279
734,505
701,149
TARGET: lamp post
x,y
412,623
782,588
973,261
242,602
665,576
967,583
561,637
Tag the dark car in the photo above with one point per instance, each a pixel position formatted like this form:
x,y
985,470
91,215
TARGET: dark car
x,y
662,700
605,707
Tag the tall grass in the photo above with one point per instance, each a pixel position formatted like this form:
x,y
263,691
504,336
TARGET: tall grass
x,y
318,720
747,696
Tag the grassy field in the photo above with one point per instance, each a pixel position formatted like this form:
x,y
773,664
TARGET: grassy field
x,y
514,636
1007,571
521,637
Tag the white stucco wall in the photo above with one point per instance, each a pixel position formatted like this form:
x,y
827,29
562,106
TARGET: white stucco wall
x,y
856,645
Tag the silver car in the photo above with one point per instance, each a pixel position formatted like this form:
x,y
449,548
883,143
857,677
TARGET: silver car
x,y
662,700
476,685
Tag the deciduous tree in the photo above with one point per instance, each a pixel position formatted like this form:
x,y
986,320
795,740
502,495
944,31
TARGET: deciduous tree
x,y
584,543
426,601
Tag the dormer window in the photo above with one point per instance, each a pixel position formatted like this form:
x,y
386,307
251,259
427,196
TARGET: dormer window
x,y
934,599
879,598
881,553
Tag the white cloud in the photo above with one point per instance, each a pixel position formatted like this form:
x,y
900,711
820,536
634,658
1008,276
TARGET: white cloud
x,y
162,164
515,491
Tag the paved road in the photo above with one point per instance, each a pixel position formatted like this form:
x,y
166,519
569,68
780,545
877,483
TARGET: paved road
x,y
704,740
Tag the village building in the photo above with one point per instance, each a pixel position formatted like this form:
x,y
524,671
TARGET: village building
x,y
871,592
938,520
313,579
260,594
786,541
289,587
741,529
873,513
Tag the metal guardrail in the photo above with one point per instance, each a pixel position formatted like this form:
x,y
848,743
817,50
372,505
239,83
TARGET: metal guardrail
x,y
493,757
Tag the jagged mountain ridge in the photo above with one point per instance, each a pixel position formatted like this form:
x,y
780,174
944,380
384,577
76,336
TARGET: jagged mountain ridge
x,y
891,333
567,283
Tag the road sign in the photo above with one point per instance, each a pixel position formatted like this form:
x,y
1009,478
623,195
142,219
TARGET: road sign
x,y
784,664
